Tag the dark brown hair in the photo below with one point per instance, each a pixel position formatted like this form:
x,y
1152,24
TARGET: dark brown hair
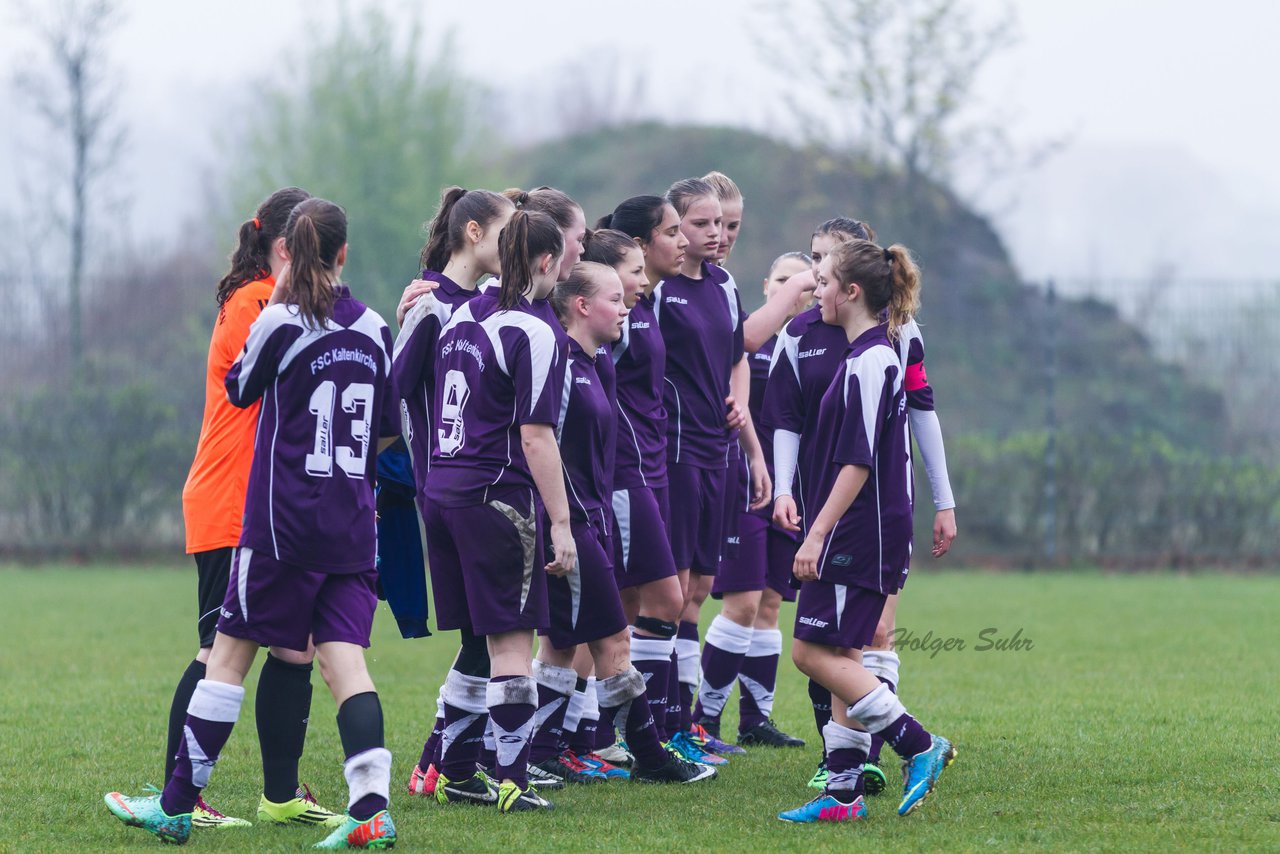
x,y
608,246
888,277
251,259
315,233
638,216
846,228
528,236
446,232
683,193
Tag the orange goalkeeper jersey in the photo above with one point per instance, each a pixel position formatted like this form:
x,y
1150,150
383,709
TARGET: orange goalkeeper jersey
x,y
213,499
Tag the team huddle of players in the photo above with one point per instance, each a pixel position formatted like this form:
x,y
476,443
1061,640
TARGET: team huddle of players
x,y
599,439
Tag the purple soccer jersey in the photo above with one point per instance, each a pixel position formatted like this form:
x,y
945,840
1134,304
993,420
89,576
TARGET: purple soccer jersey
x,y
759,362
807,355
701,323
586,434
413,365
496,371
327,396
639,360
861,422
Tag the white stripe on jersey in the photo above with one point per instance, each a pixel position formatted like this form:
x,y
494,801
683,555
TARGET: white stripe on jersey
x,y
622,515
730,288
242,557
620,346
790,344
542,341
870,367
426,306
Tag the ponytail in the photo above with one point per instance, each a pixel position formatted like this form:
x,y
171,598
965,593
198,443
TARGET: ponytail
x,y
685,192
446,233
251,259
904,302
548,200
604,222
889,278
316,232
526,237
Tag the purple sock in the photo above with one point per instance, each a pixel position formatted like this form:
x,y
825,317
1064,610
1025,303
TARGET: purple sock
x,y
821,699
652,657
882,713
211,715
606,730
846,752
725,647
623,701
758,678
431,749
465,716
513,701
673,698
555,690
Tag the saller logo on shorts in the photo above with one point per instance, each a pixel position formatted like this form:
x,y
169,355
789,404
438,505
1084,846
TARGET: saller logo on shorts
x,y
842,560
810,621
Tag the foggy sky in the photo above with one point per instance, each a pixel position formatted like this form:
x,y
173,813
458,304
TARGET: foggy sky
x,y
1172,128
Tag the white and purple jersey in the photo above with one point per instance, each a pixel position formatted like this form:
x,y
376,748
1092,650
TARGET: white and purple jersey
x,y
701,323
586,434
414,366
806,357
327,397
861,421
639,361
496,371
911,355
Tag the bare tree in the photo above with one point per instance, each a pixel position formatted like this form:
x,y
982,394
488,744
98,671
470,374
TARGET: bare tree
x,y
895,81
74,98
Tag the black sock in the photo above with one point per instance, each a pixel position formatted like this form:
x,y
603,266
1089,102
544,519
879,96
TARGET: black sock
x,y
360,723
283,706
178,713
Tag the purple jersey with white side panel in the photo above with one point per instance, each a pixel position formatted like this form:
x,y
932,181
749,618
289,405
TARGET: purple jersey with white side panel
x,y
327,397
701,323
807,356
496,371
586,434
860,422
639,361
759,363
414,366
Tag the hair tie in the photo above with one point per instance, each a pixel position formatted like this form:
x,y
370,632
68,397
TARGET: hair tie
x,y
888,256
257,224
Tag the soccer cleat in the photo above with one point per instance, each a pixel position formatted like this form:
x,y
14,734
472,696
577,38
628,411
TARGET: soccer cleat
x,y
826,808
710,741
766,733
873,779
547,774
303,809
617,754
920,773
206,816
479,788
819,778
146,813
424,782
608,769
688,749
574,770
377,832
512,798
676,769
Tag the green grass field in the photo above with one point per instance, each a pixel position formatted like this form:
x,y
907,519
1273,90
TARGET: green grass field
x,y
1142,717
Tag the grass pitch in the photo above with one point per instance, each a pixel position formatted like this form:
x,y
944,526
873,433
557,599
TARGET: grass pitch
x,y
1090,713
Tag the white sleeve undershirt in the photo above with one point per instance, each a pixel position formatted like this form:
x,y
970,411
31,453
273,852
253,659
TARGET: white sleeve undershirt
x,y
928,432
786,453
